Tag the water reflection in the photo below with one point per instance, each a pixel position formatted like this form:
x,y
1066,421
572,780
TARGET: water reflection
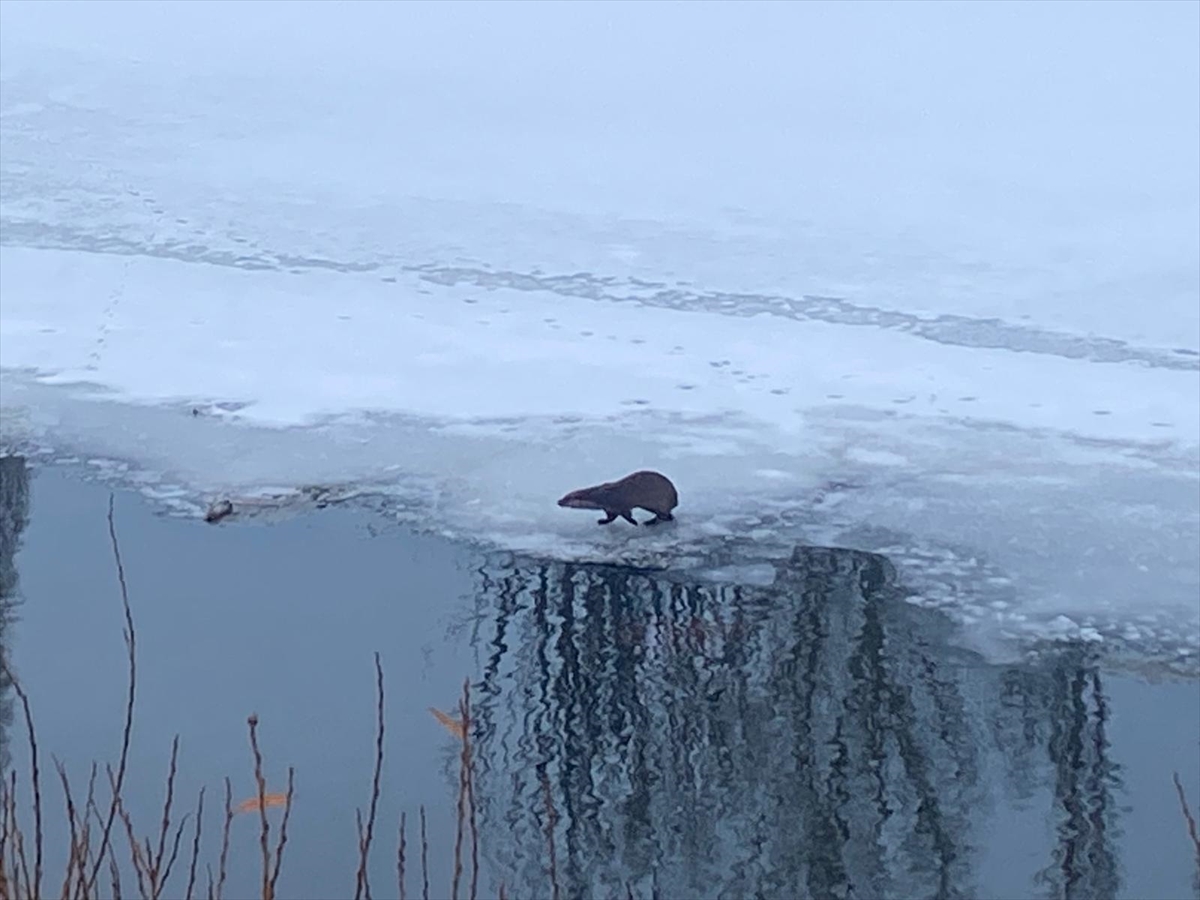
x,y
14,515
814,738
1083,862
818,737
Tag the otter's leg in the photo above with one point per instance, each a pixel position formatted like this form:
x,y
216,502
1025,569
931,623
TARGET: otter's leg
x,y
610,516
628,517
660,517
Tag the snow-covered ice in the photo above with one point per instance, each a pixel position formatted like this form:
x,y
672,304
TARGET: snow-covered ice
x,y
848,274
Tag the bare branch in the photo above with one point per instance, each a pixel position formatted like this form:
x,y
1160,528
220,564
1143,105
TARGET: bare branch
x,y
131,648
37,782
362,885
265,834
191,885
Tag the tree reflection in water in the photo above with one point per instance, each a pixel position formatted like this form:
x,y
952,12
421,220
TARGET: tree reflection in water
x,y
818,737
14,516
814,738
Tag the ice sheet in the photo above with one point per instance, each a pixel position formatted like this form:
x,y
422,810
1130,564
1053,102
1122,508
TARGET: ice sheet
x,y
868,293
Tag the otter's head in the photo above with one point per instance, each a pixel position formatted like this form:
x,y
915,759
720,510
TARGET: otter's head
x,y
581,499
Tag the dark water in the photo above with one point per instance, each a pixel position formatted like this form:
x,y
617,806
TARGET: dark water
x,y
812,739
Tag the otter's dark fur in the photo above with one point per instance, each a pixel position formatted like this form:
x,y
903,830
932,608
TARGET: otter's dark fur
x,y
645,490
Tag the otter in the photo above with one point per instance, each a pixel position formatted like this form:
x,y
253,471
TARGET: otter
x,y
645,490
218,511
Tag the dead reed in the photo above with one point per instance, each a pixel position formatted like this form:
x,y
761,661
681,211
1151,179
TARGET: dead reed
x,y
362,884
1190,820
151,860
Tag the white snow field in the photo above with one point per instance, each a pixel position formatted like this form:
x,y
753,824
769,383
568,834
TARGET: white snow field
x,y
917,278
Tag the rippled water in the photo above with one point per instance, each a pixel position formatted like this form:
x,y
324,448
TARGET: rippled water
x,y
636,732
813,739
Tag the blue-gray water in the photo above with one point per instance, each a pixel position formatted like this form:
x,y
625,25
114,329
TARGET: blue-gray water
x,y
812,739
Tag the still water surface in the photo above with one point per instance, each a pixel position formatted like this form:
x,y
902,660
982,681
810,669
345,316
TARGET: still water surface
x,y
814,738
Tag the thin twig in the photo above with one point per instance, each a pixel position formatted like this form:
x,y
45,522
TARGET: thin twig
x,y
225,838
461,808
469,769
265,834
424,858
37,782
20,864
82,889
1187,815
156,875
400,859
4,888
283,824
75,859
191,885
131,647
10,831
139,865
24,862
115,874
458,833
362,885
4,841
166,873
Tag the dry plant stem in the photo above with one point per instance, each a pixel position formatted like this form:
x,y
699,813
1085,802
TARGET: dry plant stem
x,y
362,885
464,766
11,829
283,824
115,874
36,887
191,885
24,863
166,872
9,841
469,767
1187,816
90,811
131,647
400,859
458,833
20,865
157,876
424,858
10,862
551,820
265,834
466,798
76,858
225,838
139,864
85,838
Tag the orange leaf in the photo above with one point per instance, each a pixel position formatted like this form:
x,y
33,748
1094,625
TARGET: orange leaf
x,y
454,726
268,800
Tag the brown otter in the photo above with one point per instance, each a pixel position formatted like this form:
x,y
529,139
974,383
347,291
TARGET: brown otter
x,y
645,490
